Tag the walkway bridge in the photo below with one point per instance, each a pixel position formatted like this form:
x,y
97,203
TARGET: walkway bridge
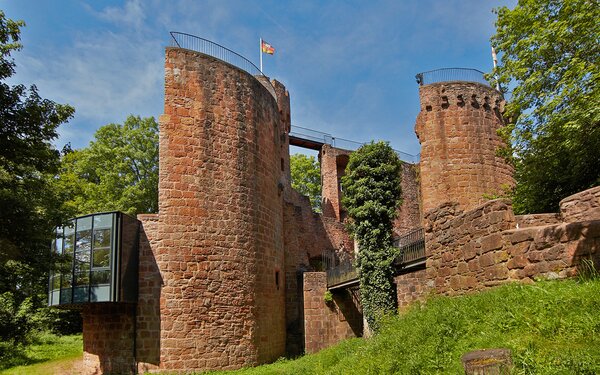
x,y
411,257
314,140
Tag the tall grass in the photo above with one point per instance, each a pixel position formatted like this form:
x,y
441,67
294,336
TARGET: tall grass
x,y
552,327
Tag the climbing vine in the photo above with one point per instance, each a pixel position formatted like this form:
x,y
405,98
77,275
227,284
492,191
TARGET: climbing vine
x,y
372,194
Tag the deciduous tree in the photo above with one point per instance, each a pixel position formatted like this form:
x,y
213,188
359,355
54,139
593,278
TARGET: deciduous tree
x,y
29,204
118,171
550,58
306,178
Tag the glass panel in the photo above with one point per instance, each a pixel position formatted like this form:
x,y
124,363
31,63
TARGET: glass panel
x,y
55,297
55,283
80,294
103,221
69,228
100,293
82,257
84,223
66,282
101,258
102,238
84,240
59,245
100,277
69,240
65,295
82,278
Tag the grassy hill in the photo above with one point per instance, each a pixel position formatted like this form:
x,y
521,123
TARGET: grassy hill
x,y
552,327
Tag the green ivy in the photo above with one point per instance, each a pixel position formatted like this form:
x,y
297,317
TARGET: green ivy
x,y
372,193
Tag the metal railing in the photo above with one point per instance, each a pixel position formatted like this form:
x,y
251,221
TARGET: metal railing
x,y
451,74
345,144
343,273
412,247
205,46
411,253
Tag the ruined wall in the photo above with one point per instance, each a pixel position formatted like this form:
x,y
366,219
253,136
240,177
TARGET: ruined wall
x,y
457,128
147,340
307,236
333,163
327,324
536,220
480,248
412,286
581,206
108,338
221,219
409,212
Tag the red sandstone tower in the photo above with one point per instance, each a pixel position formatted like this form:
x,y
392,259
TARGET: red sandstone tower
x,y
457,128
220,253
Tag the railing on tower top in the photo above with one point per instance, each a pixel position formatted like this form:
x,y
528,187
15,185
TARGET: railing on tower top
x,y
411,252
345,144
194,43
451,74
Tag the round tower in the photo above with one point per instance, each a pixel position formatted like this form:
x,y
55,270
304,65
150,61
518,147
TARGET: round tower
x,y
457,128
220,251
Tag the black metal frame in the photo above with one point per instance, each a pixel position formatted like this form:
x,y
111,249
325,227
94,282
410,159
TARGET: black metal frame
x,y
123,277
451,74
207,47
411,247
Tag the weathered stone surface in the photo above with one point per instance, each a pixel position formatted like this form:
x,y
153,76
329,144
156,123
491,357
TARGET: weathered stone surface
x,y
326,324
582,206
220,253
457,128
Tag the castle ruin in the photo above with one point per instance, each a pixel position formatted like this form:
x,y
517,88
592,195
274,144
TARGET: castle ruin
x,y
230,271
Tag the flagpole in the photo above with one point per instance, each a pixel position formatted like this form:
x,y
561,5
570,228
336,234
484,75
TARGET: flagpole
x,y
260,52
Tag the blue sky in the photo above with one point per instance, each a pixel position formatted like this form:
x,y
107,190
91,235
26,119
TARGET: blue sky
x,y
349,65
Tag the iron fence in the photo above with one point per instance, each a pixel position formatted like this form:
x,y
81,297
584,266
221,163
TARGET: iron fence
x,y
205,46
451,74
342,273
412,247
411,252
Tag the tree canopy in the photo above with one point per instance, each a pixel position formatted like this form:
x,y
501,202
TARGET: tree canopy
x,y
118,171
306,178
30,206
550,55
372,193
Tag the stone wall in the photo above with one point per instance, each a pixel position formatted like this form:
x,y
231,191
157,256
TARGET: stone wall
x,y
220,252
482,247
536,220
412,286
409,213
333,164
327,324
108,338
148,307
581,206
307,236
457,128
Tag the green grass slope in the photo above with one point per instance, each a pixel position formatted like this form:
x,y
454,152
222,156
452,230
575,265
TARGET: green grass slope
x,y
552,327
49,354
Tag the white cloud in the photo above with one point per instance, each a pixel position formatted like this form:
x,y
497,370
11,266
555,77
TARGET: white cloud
x,y
130,14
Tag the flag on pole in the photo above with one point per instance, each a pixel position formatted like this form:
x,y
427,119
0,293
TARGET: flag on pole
x,y
267,48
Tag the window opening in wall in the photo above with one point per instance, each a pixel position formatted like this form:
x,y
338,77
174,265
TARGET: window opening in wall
x,y
277,279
